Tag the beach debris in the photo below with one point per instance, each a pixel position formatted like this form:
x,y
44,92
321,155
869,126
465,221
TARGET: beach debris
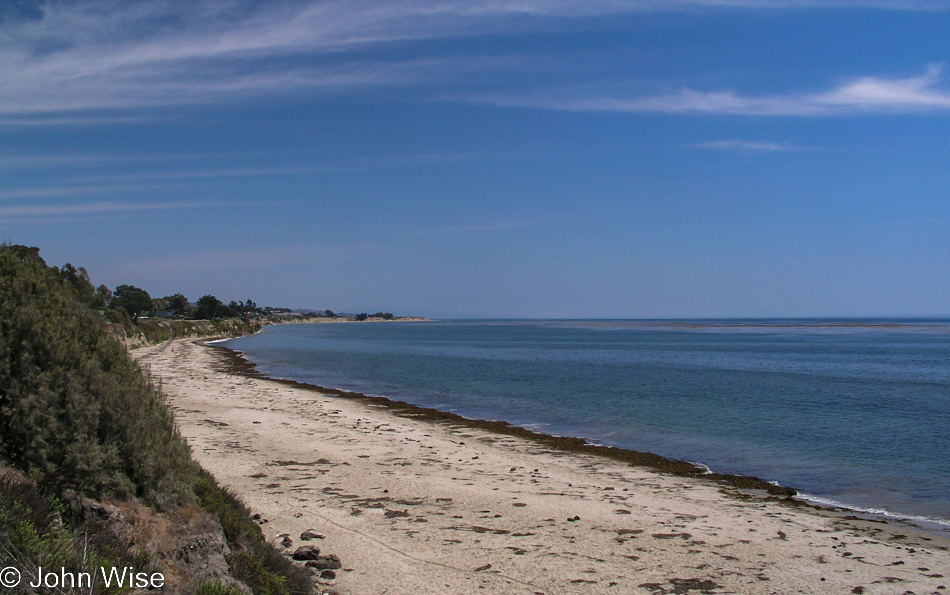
x,y
679,586
331,562
285,539
782,536
573,519
481,568
392,514
328,575
307,552
310,534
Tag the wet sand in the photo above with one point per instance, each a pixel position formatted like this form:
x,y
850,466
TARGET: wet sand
x,y
417,504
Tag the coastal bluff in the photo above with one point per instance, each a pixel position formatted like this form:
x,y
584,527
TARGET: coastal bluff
x,y
154,331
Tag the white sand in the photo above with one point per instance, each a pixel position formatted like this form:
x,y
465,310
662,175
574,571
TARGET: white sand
x,y
416,507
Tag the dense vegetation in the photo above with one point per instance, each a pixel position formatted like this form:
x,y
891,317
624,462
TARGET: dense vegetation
x,y
76,413
80,422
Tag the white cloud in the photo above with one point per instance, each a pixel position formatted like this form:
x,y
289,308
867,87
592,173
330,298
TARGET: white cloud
x,y
34,120
863,95
746,146
80,190
106,54
195,175
871,93
214,261
90,208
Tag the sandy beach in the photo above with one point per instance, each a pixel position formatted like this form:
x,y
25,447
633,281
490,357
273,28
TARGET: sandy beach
x,y
413,506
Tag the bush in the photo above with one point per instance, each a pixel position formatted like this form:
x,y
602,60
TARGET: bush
x,y
253,561
34,532
76,412
217,588
79,417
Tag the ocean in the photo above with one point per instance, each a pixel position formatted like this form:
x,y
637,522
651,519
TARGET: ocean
x,y
850,413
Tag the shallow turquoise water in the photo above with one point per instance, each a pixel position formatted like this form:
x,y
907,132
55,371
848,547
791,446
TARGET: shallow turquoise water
x,y
856,414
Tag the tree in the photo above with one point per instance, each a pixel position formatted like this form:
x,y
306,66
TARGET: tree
x,y
103,296
208,308
78,279
135,301
329,314
178,304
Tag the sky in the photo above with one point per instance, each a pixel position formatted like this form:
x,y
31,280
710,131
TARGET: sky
x,y
496,158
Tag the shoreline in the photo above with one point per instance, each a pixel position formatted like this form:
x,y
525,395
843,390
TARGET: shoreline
x,y
464,510
237,363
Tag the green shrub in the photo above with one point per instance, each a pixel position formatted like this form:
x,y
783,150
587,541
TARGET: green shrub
x,y
80,419
217,588
34,532
253,561
76,412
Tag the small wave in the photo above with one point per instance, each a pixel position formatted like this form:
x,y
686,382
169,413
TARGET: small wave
x,y
879,512
218,341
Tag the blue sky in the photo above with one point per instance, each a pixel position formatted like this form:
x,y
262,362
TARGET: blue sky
x,y
599,158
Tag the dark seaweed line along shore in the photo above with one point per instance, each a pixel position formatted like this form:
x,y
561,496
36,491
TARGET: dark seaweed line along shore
x,y
234,362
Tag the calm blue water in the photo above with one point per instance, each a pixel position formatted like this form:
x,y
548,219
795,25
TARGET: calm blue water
x,y
856,414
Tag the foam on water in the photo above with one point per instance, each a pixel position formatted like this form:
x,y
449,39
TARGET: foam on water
x,y
940,525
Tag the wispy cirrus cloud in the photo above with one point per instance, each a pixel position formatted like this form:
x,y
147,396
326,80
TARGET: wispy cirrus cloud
x,y
505,225
869,94
70,56
746,146
93,208
218,260
41,120
105,54
80,190
41,160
